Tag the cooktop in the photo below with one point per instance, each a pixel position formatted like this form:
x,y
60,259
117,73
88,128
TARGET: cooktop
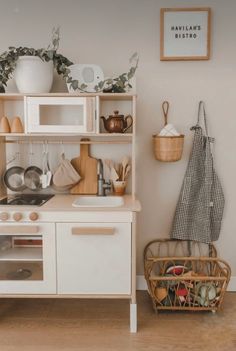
x,y
26,199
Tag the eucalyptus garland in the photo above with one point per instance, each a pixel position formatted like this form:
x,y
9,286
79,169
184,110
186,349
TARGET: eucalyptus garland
x,y
9,58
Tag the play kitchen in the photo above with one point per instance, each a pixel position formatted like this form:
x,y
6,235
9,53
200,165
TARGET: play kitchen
x,y
68,198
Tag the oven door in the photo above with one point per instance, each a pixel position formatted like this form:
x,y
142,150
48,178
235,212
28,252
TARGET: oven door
x,y
60,115
27,258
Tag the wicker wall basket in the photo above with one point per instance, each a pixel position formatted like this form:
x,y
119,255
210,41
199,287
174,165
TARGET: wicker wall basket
x,y
182,282
167,148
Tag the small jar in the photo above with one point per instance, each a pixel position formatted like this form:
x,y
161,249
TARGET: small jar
x,y
119,187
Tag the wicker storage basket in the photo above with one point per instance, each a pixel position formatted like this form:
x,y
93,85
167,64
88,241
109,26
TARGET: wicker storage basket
x,y
177,281
167,148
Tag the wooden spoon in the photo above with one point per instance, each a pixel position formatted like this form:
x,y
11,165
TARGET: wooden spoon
x,y
127,171
125,162
114,175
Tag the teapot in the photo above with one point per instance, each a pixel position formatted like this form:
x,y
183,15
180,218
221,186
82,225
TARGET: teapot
x,y
117,123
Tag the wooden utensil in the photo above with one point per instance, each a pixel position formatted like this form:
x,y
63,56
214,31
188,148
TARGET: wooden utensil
x,y
114,176
125,162
86,166
127,171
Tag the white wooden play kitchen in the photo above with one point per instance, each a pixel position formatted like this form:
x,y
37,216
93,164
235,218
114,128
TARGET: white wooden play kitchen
x,y
85,250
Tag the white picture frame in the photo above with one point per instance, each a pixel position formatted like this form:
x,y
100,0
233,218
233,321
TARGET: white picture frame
x,y
185,33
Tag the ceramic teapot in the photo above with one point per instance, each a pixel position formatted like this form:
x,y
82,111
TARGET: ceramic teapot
x,y
117,123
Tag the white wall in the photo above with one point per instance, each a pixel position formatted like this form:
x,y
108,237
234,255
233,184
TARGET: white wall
x,y
107,32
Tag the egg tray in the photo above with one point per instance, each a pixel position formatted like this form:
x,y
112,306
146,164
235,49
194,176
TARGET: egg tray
x,y
192,278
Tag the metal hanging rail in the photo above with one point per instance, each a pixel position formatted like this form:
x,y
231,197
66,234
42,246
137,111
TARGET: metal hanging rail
x,y
66,142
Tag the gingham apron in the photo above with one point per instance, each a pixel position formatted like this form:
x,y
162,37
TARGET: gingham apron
x,y
201,202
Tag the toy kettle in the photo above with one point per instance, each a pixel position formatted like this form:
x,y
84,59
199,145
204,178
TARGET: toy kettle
x,y
117,123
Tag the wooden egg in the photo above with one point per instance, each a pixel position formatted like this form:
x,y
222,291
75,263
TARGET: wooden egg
x,y
4,125
17,126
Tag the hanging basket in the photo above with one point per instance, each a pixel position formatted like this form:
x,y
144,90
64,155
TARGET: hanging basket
x,y
167,148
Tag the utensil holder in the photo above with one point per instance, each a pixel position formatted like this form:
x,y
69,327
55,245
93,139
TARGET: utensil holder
x,y
119,187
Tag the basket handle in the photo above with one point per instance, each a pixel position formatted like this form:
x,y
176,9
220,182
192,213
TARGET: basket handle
x,y
165,109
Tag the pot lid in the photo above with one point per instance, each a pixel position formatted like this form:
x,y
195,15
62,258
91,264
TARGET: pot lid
x,y
116,114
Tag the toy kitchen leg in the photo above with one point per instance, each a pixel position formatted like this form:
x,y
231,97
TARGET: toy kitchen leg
x,y
133,317
133,302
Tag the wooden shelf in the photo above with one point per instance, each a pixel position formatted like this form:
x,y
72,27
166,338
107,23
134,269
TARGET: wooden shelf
x,y
22,254
101,138
11,97
103,96
12,134
106,135
13,104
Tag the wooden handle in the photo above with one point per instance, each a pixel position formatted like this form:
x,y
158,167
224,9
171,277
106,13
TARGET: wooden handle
x,y
129,117
93,231
84,148
165,109
90,113
19,229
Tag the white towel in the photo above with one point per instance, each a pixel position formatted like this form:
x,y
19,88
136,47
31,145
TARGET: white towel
x,y
169,130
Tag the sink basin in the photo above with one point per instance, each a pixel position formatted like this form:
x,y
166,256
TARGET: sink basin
x,y
97,201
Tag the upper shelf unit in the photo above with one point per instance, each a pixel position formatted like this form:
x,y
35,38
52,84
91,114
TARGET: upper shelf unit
x,y
59,114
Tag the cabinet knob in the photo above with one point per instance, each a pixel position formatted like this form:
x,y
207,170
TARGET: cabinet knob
x,y
4,216
17,216
33,216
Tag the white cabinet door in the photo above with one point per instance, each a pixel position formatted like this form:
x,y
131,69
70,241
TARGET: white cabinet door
x,y
94,258
27,258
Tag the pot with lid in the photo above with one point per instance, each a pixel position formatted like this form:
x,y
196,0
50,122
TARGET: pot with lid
x,y
117,123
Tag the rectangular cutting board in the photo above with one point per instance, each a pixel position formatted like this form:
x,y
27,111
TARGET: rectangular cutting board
x,y
86,166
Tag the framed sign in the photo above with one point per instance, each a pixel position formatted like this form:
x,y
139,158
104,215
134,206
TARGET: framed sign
x,y
185,34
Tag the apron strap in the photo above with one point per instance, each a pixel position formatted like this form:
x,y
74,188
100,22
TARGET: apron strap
x,y
201,104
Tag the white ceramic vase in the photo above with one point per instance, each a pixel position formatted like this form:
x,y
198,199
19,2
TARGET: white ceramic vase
x,y
32,75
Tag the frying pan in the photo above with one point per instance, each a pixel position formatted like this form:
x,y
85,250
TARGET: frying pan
x,y
33,177
32,174
14,178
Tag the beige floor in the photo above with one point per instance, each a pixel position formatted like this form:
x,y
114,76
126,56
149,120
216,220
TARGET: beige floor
x,y
104,325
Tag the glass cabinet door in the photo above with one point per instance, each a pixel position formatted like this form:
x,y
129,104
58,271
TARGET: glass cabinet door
x,y
60,115
27,259
21,257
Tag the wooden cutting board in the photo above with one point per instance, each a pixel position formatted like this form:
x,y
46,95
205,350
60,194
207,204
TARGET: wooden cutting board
x,y
86,166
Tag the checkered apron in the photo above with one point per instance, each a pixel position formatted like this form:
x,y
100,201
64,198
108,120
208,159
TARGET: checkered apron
x,y
201,202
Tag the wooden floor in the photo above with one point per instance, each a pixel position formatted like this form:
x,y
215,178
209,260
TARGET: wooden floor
x,y
103,325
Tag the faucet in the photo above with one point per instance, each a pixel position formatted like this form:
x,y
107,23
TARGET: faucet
x,y
102,185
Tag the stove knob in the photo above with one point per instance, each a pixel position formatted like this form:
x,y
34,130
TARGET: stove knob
x,y
4,216
33,216
17,216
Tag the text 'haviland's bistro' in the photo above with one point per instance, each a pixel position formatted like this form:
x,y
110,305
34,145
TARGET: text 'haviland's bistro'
x,y
186,32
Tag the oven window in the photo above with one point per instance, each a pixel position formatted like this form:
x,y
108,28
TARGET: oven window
x,y
21,257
